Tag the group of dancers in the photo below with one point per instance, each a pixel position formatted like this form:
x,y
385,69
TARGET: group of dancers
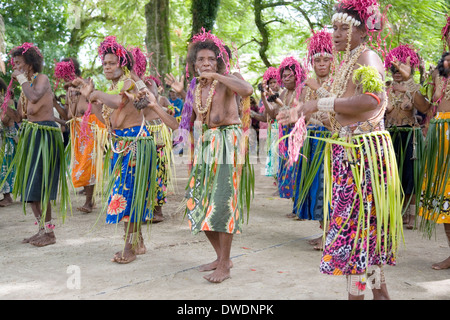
x,y
355,152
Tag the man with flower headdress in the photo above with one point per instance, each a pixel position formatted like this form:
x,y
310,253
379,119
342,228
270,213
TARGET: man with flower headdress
x,y
131,147
221,171
87,134
362,185
308,196
40,163
404,98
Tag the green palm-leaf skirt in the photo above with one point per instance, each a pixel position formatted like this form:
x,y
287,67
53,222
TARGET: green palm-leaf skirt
x,y
40,167
221,183
308,197
364,191
131,184
434,205
409,145
165,173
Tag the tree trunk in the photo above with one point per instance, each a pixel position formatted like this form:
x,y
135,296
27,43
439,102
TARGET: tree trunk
x,y
204,14
157,37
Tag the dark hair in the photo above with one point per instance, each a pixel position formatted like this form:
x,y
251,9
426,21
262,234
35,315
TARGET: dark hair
x,y
76,65
292,68
32,57
440,65
195,47
130,60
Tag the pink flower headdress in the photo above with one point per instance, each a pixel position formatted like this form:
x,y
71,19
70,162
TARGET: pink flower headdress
x,y
271,73
367,11
320,44
140,61
401,53
64,70
110,45
300,74
22,49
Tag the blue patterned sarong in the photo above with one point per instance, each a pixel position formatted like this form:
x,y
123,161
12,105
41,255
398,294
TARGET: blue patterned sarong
x,y
308,199
124,165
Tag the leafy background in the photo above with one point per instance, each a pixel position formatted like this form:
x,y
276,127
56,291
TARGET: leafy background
x,y
263,32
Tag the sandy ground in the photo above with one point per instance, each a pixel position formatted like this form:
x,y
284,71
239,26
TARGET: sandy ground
x,y
272,259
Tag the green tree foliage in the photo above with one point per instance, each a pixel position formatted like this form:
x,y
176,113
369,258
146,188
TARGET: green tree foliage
x,y
262,32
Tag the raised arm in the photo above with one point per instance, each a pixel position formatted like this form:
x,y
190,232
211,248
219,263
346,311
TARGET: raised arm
x,y
233,83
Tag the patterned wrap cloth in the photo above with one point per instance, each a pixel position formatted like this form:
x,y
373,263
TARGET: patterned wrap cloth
x,y
9,136
357,237
86,151
219,182
131,196
435,196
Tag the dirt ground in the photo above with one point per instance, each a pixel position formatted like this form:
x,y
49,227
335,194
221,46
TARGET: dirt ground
x,y
272,259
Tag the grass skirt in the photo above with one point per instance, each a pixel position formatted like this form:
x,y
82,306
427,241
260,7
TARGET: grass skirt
x,y
308,199
434,205
364,191
40,167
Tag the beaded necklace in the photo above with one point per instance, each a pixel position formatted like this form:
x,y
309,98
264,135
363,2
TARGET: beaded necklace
x,y
345,72
204,110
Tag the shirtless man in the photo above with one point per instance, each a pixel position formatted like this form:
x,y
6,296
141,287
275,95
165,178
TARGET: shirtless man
x,y
36,106
116,108
215,107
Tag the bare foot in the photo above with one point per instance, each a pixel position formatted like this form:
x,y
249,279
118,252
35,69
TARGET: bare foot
x,y
212,266
314,242
27,240
442,265
6,201
219,275
45,239
140,247
319,245
125,256
86,208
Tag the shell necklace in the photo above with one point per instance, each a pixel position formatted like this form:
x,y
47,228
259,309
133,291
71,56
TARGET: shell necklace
x,y
203,110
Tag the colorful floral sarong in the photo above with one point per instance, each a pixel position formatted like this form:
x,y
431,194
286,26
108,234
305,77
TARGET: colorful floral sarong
x,y
132,176
364,191
9,136
308,197
434,203
87,149
221,182
286,174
